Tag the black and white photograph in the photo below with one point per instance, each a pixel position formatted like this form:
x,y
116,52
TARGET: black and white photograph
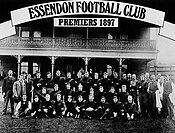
x,y
87,66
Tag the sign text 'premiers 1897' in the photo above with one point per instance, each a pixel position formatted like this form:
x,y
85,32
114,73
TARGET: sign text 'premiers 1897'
x,y
86,22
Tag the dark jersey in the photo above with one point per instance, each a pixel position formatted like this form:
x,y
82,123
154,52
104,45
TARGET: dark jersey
x,y
24,105
115,107
90,104
48,83
80,104
103,106
59,106
130,108
47,105
70,107
36,106
143,87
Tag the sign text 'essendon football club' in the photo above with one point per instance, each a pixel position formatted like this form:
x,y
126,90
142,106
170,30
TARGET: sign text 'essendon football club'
x,y
93,7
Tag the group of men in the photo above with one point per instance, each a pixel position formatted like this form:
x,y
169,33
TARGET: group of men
x,y
84,96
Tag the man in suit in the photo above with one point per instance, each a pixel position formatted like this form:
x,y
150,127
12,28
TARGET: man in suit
x,y
7,91
19,89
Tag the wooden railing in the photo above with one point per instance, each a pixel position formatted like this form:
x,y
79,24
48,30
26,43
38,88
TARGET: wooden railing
x,y
76,43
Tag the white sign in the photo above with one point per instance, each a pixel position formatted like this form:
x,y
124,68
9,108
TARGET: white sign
x,y
168,30
86,22
88,7
6,29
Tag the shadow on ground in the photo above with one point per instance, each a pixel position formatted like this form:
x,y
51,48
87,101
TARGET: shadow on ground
x,y
71,125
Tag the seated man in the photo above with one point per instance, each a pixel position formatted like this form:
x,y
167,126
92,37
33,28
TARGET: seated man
x,y
111,94
80,91
115,108
79,107
123,94
23,108
59,107
90,107
102,109
130,107
100,93
54,93
70,106
43,93
47,107
36,108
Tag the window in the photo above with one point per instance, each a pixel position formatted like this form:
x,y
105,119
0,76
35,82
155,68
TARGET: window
x,y
124,37
24,67
25,34
35,67
37,35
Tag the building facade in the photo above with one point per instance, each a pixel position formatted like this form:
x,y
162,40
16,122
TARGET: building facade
x,y
38,45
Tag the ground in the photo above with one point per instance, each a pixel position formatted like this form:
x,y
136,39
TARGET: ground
x,y
71,125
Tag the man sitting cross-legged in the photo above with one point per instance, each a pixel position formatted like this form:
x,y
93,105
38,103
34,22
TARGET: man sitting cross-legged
x,y
23,108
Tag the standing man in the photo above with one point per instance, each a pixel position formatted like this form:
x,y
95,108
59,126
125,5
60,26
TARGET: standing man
x,y
7,92
167,109
19,89
143,87
152,88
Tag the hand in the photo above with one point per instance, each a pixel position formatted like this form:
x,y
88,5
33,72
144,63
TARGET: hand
x,y
115,114
38,84
45,110
132,116
32,114
54,112
3,94
63,113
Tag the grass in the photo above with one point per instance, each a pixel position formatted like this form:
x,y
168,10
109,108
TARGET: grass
x,y
71,125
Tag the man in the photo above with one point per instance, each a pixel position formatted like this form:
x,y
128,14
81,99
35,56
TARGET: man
x,y
47,107
102,111
123,94
56,80
7,91
90,107
38,82
59,106
167,106
95,81
116,82
130,107
79,107
105,81
36,108
86,81
70,106
152,88
59,80
115,108
23,108
133,90
29,86
143,94
19,89
124,81
48,82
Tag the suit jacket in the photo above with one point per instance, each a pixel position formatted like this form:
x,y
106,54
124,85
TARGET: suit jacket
x,y
8,84
19,89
